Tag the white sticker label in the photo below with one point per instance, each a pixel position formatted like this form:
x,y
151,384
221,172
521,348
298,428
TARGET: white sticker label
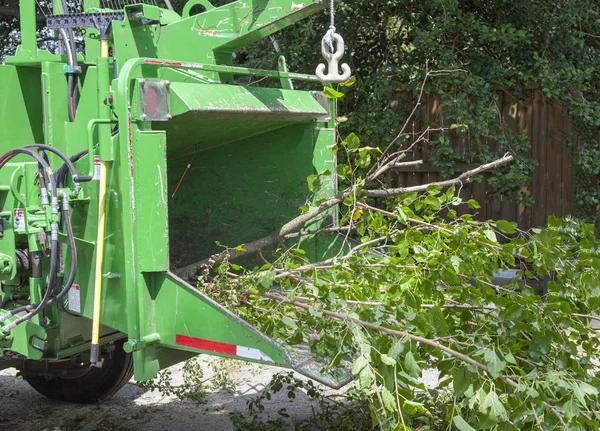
x,y
18,218
75,298
96,167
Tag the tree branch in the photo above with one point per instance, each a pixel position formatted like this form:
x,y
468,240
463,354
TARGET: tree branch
x,y
297,223
403,334
464,177
274,237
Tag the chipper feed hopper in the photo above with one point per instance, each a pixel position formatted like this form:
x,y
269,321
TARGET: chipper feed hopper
x,y
99,205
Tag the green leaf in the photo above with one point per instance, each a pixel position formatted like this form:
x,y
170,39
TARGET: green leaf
x,y
473,204
532,393
411,366
364,157
506,426
412,407
352,142
349,82
505,226
366,378
581,389
461,424
438,321
477,397
314,312
491,235
455,260
434,189
389,402
571,409
495,365
360,363
312,181
401,214
267,278
433,202
396,349
509,357
494,406
461,380
343,171
287,321
588,389
449,194
512,313
388,360
330,93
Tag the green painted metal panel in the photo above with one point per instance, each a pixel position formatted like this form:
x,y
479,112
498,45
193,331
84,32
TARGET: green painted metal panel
x,y
230,27
298,105
151,207
20,106
174,304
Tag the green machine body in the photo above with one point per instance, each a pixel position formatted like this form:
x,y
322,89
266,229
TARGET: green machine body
x,y
99,205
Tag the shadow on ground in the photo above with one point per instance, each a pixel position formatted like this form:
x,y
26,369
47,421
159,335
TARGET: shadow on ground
x,y
22,408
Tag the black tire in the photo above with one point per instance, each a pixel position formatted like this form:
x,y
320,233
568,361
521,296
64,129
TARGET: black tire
x,y
90,386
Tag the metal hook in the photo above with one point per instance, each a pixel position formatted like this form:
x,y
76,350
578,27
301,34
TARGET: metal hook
x,y
333,58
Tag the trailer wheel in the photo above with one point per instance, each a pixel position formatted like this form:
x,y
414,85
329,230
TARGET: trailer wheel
x,y
87,385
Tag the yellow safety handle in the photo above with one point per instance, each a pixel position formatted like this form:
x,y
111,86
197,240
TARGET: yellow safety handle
x,y
95,350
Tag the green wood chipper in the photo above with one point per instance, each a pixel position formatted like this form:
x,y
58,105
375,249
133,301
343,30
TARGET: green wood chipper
x,y
97,207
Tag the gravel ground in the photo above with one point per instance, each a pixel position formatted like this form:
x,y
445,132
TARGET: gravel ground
x,y
22,408
132,408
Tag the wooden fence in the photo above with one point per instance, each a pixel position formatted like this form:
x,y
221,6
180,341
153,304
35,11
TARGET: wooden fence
x,y
552,186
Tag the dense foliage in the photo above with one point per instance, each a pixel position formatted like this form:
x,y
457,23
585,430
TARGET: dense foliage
x,y
516,356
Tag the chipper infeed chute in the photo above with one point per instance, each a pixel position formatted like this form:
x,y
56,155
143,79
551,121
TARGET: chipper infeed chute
x,y
147,154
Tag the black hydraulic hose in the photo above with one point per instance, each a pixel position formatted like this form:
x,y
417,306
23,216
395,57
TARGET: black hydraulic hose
x,y
65,289
61,172
12,153
12,298
70,101
4,158
69,42
6,301
71,39
67,161
73,248
36,308
75,87
33,309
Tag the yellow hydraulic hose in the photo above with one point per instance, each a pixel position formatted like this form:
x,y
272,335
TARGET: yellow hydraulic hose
x,y
94,354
